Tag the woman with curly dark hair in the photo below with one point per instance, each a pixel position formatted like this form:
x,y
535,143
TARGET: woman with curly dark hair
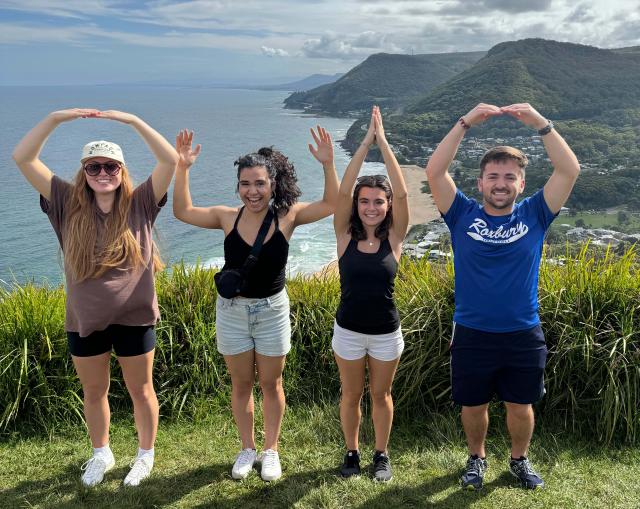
x,y
370,222
253,330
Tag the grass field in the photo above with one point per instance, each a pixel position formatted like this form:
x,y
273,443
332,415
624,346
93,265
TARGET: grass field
x,y
602,220
193,465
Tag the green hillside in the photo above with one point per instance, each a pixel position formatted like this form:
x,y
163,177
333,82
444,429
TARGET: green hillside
x,y
391,81
563,80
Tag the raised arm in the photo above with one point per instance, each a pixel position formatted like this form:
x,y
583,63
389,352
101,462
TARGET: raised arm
x,y
323,152
345,193
166,157
565,163
183,209
400,205
443,189
27,152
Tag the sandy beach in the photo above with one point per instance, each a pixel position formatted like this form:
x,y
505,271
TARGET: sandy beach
x,y
421,206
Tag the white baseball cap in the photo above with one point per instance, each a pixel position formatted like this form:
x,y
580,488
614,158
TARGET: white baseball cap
x,y
102,148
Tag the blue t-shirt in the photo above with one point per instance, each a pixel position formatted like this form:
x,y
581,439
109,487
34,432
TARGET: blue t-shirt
x,y
496,261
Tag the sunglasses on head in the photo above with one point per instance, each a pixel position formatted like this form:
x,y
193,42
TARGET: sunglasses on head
x,y
366,178
93,169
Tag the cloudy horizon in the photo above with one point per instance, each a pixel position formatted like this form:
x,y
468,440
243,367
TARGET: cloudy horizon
x,y
221,41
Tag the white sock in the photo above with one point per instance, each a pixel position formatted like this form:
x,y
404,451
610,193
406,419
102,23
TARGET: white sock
x,y
103,451
148,454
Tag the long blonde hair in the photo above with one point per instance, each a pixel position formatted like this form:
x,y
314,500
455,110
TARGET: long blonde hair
x,y
118,245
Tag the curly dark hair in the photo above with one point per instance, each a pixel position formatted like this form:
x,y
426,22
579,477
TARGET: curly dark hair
x,y
356,228
281,172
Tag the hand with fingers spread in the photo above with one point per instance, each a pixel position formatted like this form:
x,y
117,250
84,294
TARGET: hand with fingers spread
x,y
73,113
370,137
120,116
186,153
481,113
323,151
526,114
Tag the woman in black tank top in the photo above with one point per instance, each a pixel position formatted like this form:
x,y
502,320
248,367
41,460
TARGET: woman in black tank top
x,y
370,223
253,329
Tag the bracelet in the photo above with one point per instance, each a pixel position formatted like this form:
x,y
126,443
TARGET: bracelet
x,y
546,129
463,123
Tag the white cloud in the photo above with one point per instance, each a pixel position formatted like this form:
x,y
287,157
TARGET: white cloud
x,y
273,52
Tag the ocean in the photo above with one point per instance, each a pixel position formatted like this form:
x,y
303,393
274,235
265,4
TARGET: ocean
x,y
228,123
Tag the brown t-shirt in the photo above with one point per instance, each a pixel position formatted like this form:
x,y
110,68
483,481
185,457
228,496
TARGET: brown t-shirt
x,y
122,296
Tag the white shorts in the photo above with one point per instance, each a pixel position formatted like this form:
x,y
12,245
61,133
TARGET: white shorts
x,y
351,346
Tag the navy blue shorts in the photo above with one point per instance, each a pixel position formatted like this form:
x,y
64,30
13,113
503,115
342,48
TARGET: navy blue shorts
x,y
126,341
509,365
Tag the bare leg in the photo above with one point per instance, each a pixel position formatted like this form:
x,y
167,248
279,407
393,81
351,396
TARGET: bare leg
x,y
352,375
381,375
137,371
273,400
520,421
475,420
243,373
93,373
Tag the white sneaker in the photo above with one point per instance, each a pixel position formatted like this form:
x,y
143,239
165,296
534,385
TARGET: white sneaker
x,y
245,460
140,469
95,468
271,469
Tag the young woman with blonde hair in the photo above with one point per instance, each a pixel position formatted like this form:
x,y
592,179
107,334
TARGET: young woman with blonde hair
x,y
103,225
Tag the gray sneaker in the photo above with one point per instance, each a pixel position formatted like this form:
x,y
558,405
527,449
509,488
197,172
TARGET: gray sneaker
x,y
381,467
473,475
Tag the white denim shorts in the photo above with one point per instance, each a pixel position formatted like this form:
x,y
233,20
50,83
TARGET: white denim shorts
x,y
350,345
263,325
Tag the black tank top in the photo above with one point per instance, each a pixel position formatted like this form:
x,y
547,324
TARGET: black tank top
x,y
267,277
366,285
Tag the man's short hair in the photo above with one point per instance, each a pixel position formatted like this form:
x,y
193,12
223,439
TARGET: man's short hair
x,y
502,154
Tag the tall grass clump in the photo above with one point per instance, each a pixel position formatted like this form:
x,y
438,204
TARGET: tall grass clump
x,y
37,381
590,309
589,306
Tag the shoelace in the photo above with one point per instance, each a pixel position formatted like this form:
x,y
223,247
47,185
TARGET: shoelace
x,y
270,459
139,468
245,456
92,467
524,467
474,465
382,463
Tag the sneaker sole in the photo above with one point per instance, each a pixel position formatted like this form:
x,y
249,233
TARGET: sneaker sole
x,y
270,478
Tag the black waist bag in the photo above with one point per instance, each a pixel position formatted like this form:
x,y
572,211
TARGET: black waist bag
x,y
231,282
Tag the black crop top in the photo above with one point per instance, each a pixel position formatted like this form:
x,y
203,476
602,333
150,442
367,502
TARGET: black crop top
x,y
267,277
367,282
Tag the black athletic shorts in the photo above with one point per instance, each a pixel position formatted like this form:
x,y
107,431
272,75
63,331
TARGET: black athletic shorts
x,y
509,365
126,341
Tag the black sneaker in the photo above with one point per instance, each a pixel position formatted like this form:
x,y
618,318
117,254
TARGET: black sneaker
x,y
381,467
351,464
522,469
473,475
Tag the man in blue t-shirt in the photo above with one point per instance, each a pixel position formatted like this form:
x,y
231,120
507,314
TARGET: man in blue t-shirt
x,y
498,347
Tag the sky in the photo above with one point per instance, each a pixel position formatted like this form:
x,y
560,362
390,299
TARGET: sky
x,y
61,42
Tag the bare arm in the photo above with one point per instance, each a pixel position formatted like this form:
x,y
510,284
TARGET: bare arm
x,y
323,152
400,205
183,209
166,157
345,192
443,189
27,152
565,163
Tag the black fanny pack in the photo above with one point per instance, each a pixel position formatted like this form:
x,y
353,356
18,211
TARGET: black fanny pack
x,y
231,282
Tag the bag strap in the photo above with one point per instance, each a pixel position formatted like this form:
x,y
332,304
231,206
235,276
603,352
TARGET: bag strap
x,y
257,245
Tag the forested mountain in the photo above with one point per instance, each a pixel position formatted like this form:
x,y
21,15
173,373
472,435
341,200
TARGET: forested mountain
x,y
391,81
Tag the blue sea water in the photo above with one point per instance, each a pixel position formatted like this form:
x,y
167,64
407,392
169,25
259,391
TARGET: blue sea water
x,y
228,123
